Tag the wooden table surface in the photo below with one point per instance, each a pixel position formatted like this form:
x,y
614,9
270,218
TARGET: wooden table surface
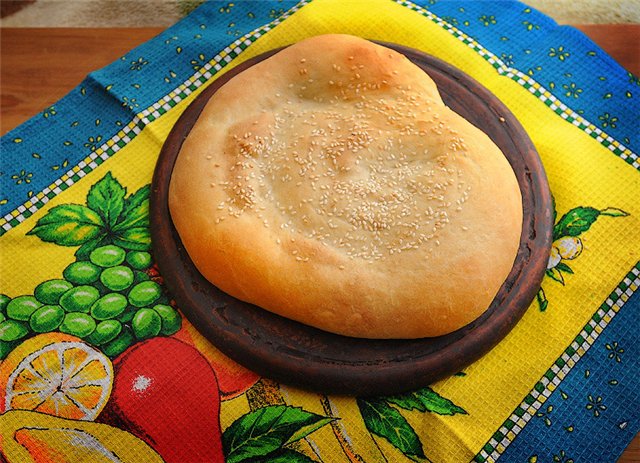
x,y
39,66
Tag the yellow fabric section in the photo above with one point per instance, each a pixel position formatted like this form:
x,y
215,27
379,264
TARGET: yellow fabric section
x,y
581,173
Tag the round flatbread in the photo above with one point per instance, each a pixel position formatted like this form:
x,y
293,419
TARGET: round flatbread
x,y
331,185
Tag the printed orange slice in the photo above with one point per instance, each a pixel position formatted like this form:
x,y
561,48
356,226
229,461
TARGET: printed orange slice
x,y
56,374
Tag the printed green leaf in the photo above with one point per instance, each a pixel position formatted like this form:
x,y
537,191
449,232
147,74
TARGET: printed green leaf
x,y
263,431
137,216
562,267
554,274
134,200
138,238
303,432
106,197
614,212
385,421
285,456
68,225
575,222
425,400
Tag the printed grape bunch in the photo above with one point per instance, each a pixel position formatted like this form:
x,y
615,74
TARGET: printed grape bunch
x,y
109,300
112,295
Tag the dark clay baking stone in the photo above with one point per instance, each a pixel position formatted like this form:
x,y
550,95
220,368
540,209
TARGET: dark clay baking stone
x,y
299,355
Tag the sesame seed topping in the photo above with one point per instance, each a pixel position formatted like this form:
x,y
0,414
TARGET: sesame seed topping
x,y
354,173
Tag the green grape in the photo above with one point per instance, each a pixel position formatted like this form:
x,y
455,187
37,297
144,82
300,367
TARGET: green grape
x,y
79,299
106,330
81,273
4,300
6,347
117,278
109,306
145,293
2,317
47,318
139,276
78,324
139,260
49,292
107,256
12,330
171,320
22,307
127,315
119,344
146,323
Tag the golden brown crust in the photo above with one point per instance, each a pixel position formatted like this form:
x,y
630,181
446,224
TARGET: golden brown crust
x,y
330,184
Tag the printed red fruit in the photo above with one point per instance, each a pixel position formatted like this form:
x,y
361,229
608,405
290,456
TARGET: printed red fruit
x,y
233,378
166,394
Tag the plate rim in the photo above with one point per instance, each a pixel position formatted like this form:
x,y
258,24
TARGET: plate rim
x,y
384,375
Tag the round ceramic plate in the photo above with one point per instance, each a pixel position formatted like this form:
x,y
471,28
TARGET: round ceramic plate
x,y
299,355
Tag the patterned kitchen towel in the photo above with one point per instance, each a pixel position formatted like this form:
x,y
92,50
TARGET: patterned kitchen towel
x,y
98,362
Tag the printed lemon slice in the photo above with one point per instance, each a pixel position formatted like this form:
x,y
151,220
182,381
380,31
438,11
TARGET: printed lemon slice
x,y
56,374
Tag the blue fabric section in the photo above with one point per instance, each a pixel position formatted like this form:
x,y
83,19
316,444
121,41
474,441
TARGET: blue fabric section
x,y
39,151
561,58
592,412
47,145
152,70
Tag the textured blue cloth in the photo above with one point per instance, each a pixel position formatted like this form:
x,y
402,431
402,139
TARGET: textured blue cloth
x,y
591,416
